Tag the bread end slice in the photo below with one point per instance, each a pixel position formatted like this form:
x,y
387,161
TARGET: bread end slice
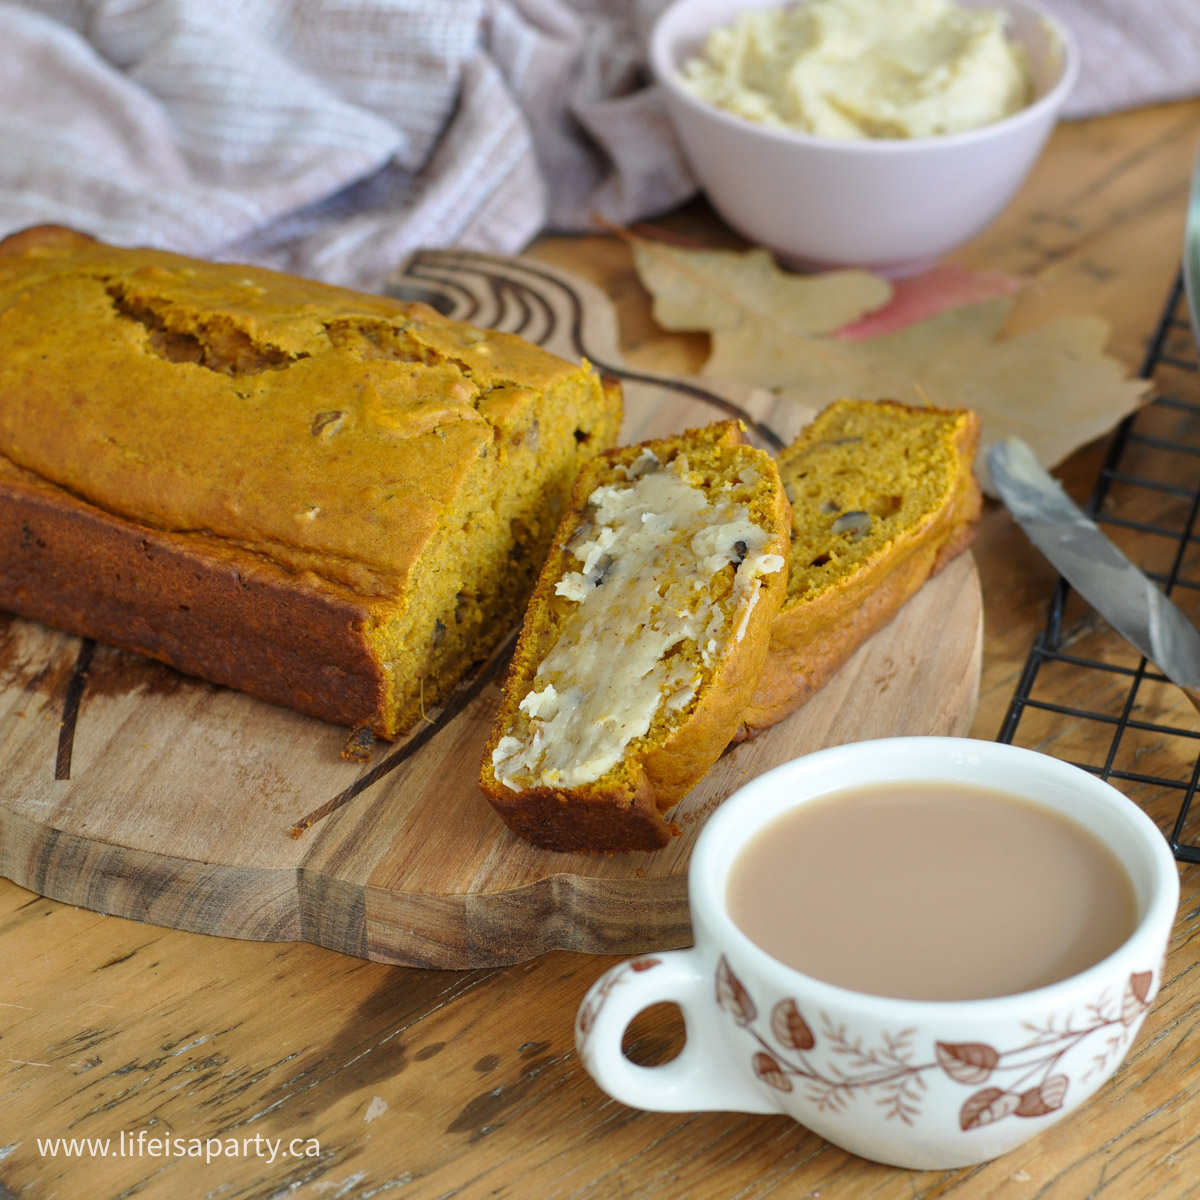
x,y
883,496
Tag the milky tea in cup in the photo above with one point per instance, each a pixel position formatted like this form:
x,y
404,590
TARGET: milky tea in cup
x,y
931,891
926,950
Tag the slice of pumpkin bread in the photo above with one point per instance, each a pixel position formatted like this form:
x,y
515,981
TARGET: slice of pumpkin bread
x,y
883,496
642,643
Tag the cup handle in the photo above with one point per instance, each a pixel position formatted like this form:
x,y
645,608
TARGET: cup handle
x,y
704,1076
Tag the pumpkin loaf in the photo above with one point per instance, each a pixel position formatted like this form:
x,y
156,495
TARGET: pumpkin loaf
x,y
334,501
883,496
642,642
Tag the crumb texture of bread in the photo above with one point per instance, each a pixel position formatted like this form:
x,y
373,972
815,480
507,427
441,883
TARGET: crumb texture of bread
x,y
883,495
642,643
355,492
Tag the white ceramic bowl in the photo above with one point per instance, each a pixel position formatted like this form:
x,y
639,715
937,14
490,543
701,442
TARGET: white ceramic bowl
x,y
894,206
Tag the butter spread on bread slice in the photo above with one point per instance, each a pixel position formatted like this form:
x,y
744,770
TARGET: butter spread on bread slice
x,y
642,643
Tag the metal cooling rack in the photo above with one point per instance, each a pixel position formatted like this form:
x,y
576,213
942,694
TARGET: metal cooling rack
x,y
1147,497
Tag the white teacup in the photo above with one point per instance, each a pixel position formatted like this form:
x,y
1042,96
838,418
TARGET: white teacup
x,y
978,1077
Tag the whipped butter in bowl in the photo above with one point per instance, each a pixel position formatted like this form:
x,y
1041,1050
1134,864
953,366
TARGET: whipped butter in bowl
x,y
861,133
865,68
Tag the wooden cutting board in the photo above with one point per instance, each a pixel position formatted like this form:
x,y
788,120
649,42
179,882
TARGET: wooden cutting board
x,y
130,789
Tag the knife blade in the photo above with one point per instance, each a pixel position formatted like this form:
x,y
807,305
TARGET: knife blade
x,y
1089,561
1191,252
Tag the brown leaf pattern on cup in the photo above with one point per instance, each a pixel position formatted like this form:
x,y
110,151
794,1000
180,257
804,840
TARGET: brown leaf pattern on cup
x,y
891,1068
966,1062
732,996
1047,1097
590,1010
987,1106
770,1072
1134,1002
790,1028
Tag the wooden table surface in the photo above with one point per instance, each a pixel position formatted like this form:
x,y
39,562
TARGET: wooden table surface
x,y
393,1082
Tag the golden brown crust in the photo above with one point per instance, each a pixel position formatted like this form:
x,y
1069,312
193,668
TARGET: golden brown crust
x,y
814,635
42,239
625,809
224,616
379,478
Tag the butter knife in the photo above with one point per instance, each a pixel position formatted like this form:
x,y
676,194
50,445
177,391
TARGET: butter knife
x,y
1088,560
1191,252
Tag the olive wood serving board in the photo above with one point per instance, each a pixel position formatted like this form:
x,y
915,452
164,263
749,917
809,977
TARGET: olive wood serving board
x,y
129,789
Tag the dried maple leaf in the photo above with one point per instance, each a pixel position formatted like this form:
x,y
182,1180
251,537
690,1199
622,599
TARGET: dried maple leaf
x,y
757,307
925,295
1053,386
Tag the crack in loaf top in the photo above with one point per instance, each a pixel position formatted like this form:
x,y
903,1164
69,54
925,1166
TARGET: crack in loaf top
x,y
322,428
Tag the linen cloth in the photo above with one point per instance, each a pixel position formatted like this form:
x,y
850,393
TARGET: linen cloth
x,y
333,137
